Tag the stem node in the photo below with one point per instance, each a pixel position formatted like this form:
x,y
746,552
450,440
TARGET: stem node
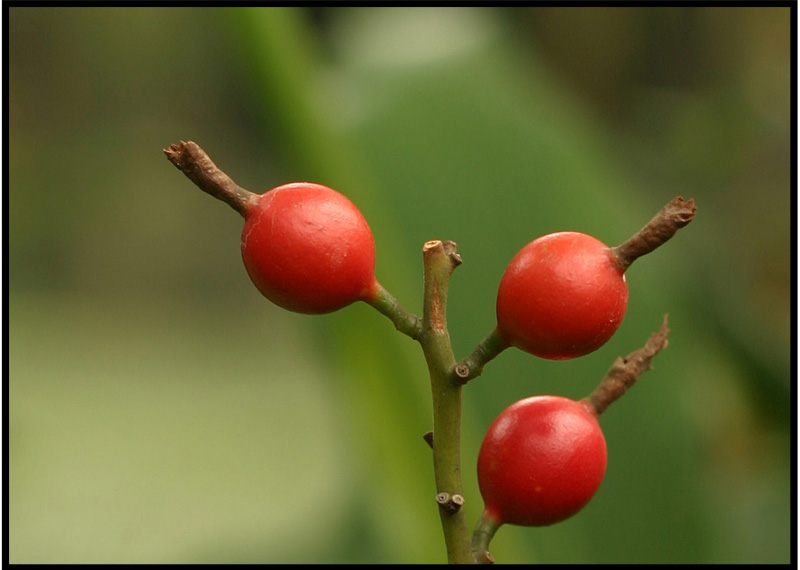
x,y
450,503
462,372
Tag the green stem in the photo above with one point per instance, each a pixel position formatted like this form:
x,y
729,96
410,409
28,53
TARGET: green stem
x,y
472,365
440,259
404,321
484,532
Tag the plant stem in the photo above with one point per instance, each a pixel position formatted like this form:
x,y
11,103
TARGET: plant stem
x,y
440,259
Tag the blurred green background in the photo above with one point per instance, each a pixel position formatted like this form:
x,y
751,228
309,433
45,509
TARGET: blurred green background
x,y
160,410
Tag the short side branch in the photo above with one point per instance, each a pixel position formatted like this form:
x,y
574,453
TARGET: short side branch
x,y
659,230
198,167
626,371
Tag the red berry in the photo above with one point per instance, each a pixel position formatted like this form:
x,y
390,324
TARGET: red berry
x,y
308,249
541,461
563,295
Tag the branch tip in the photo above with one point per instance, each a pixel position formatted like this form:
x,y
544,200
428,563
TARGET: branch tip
x,y
189,158
624,372
672,217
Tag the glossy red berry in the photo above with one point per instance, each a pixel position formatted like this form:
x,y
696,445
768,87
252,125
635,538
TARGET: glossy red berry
x,y
563,295
308,249
541,461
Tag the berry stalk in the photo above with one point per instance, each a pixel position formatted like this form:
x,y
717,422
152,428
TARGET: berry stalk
x,y
471,366
404,321
482,536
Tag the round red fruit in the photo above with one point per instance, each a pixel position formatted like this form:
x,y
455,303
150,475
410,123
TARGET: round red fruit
x,y
308,249
541,461
562,296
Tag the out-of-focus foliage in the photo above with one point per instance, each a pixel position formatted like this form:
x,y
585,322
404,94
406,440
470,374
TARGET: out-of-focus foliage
x,y
160,410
